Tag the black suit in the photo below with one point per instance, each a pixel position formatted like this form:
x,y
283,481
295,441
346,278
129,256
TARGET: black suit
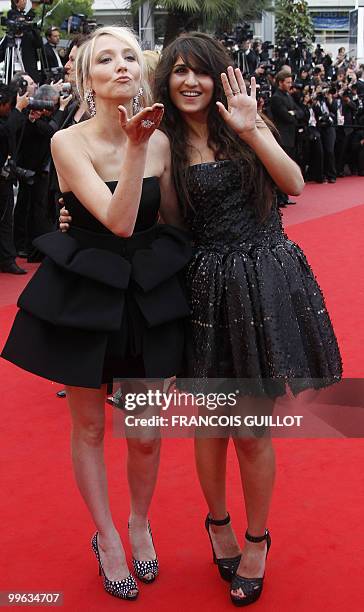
x,y
360,86
285,122
50,56
280,104
8,129
328,136
31,211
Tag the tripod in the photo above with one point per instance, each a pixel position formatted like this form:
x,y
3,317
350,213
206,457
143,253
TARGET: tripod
x,y
12,56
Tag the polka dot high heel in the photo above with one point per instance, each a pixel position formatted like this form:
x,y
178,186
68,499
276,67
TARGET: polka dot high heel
x,y
118,588
146,571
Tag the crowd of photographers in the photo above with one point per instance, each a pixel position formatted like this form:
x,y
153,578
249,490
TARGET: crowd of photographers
x,y
315,100
37,98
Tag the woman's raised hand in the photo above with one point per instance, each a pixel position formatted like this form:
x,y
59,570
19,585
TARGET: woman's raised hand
x,y
241,113
141,126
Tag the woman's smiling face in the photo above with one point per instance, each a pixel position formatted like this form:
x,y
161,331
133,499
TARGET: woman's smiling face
x,y
190,90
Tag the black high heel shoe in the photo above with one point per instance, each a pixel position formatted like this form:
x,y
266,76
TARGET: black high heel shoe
x,y
143,568
251,587
117,588
227,566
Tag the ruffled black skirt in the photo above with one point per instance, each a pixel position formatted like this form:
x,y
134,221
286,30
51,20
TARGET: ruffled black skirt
x,y
258,319
101,307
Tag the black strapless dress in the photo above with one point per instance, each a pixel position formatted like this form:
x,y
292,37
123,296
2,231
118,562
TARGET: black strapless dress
x,y
258,313
101,307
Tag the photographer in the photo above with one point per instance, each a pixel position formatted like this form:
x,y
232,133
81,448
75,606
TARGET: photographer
x,y
303,78
325,108
314,152
346,111
246,59
24,42
75,111
358,144
42,121
10,120
360,83
341,60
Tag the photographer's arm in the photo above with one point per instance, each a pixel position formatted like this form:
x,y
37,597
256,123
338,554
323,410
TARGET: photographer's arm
x,y
58,117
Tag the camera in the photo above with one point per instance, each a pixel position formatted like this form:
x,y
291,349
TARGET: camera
x,y
39,104
10,171
18,24
243,33
66,90
325,120
78,22
55,74
19,85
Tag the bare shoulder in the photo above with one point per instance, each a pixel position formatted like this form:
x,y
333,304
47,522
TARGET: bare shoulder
x,y
73,135
160,140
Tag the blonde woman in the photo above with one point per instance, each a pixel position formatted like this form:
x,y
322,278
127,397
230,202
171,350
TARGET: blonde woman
x,y
106,302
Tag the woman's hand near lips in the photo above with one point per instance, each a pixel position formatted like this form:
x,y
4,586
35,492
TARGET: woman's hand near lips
x,y
141,126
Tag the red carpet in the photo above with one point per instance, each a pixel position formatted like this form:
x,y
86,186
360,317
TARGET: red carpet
x,y
316,518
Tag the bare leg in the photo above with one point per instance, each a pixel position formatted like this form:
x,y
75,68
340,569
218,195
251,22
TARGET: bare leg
x,y
142,470
87,408
257,468
210,455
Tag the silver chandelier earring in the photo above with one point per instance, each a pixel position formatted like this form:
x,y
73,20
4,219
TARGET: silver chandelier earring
x,y
137,106
90,99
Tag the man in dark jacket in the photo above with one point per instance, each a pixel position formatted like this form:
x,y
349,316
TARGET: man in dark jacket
x,y
32,206
10,120
52,59
283,110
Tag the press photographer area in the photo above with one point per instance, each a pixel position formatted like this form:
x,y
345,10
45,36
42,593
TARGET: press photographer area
x,y
37,97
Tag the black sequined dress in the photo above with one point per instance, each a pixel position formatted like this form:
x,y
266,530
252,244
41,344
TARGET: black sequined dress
x,y
100,306
258,313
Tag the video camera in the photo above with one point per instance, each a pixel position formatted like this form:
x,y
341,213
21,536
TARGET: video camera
x,y
19,23
243,33
54,74
78,23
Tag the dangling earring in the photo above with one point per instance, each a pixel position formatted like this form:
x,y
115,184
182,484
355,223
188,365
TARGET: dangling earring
x,y
90,100
137,107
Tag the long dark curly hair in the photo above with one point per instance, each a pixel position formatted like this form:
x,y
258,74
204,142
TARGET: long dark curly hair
x,y
203,53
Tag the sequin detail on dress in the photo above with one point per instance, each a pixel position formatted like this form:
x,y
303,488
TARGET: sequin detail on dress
x,y
257,310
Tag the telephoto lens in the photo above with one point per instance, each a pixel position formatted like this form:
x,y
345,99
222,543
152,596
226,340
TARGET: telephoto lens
x,y
41,104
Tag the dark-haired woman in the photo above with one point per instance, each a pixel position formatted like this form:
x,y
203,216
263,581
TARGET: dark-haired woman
x,y
257,311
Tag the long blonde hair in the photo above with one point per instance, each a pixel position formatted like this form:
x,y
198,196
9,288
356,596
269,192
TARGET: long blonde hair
x,y
84,59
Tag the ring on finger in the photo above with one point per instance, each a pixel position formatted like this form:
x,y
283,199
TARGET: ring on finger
x,y
147,123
